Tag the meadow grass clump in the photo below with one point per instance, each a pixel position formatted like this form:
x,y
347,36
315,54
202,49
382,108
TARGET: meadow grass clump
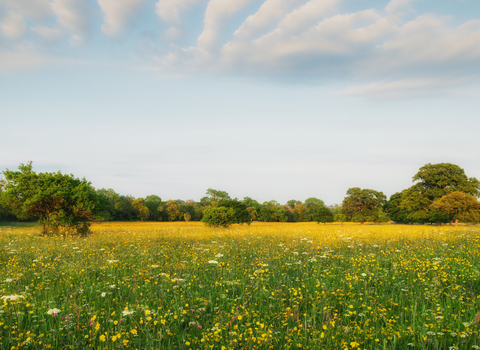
x,y
264,286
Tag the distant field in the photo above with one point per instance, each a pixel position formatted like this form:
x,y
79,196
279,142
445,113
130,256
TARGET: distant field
x,y
264,286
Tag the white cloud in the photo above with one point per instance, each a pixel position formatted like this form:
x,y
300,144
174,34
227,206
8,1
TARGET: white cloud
x,y
47,33
73,15
12,25
169,10
400,88
21,58
118,14
398,5
216,16
268,14
172,33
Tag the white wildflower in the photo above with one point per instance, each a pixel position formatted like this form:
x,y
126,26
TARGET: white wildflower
x,y
103,294
212,261
127,312
12,297
8,280
53,311
112,261
219,255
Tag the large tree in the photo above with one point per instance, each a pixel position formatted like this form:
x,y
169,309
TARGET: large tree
x,y
458,206
433,181
60,202
394,210
362,205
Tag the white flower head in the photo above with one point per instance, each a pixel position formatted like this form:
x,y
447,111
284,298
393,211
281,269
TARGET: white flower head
x,y
53,311
12,297
8,280
112,286
212,261
127,312
112,261
103,294
219,255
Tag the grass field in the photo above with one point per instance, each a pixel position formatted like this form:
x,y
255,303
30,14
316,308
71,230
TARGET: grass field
x,y
264,286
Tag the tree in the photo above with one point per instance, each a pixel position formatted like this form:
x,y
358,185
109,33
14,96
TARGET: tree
x,y
241,214
394,210
173,209
60,202
153,202
312,205
434,182
213,197
362,205
458,206
322,214
218,216
142,211
272,211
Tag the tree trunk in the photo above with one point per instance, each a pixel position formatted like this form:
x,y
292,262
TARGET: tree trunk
x,y
456,222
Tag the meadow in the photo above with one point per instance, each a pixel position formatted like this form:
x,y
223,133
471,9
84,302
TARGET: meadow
x,y
264,286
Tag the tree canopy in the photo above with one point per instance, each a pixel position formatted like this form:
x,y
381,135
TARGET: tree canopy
x,y
58,201
432,183
362,205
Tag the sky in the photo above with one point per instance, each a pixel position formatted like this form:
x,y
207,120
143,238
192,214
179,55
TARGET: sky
x,y
270,99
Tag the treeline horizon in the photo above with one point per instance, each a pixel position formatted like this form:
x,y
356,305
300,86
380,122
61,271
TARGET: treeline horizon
x,y
442,193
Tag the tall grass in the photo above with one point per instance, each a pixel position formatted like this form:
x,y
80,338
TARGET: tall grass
x,y
265,286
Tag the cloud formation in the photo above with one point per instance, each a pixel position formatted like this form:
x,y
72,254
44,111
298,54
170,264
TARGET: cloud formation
x,y
315,40
118,14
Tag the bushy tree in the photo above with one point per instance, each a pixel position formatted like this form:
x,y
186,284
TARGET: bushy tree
x,y
394,210
141,210
362,205
458,206
272,211
433,181
58,201
322,214
241,214
218,216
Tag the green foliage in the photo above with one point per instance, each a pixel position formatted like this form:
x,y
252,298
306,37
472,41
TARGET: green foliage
x,y
311,208
362,205
322,214
153,202
141,210
173,210
218,216
458,206
60,202
241,214
434,182
393,209
340,218
272,211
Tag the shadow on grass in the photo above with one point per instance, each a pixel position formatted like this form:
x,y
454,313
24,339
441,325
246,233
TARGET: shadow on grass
x,y
19,224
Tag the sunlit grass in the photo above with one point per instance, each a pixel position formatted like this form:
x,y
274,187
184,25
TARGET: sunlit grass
x,y
264,286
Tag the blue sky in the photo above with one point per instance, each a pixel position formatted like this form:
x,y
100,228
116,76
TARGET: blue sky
x,y
272,99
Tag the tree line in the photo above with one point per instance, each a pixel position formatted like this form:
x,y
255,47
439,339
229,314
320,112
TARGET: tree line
x,y
441,193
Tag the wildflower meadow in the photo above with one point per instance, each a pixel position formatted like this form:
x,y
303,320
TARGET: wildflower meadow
x,y
264,286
